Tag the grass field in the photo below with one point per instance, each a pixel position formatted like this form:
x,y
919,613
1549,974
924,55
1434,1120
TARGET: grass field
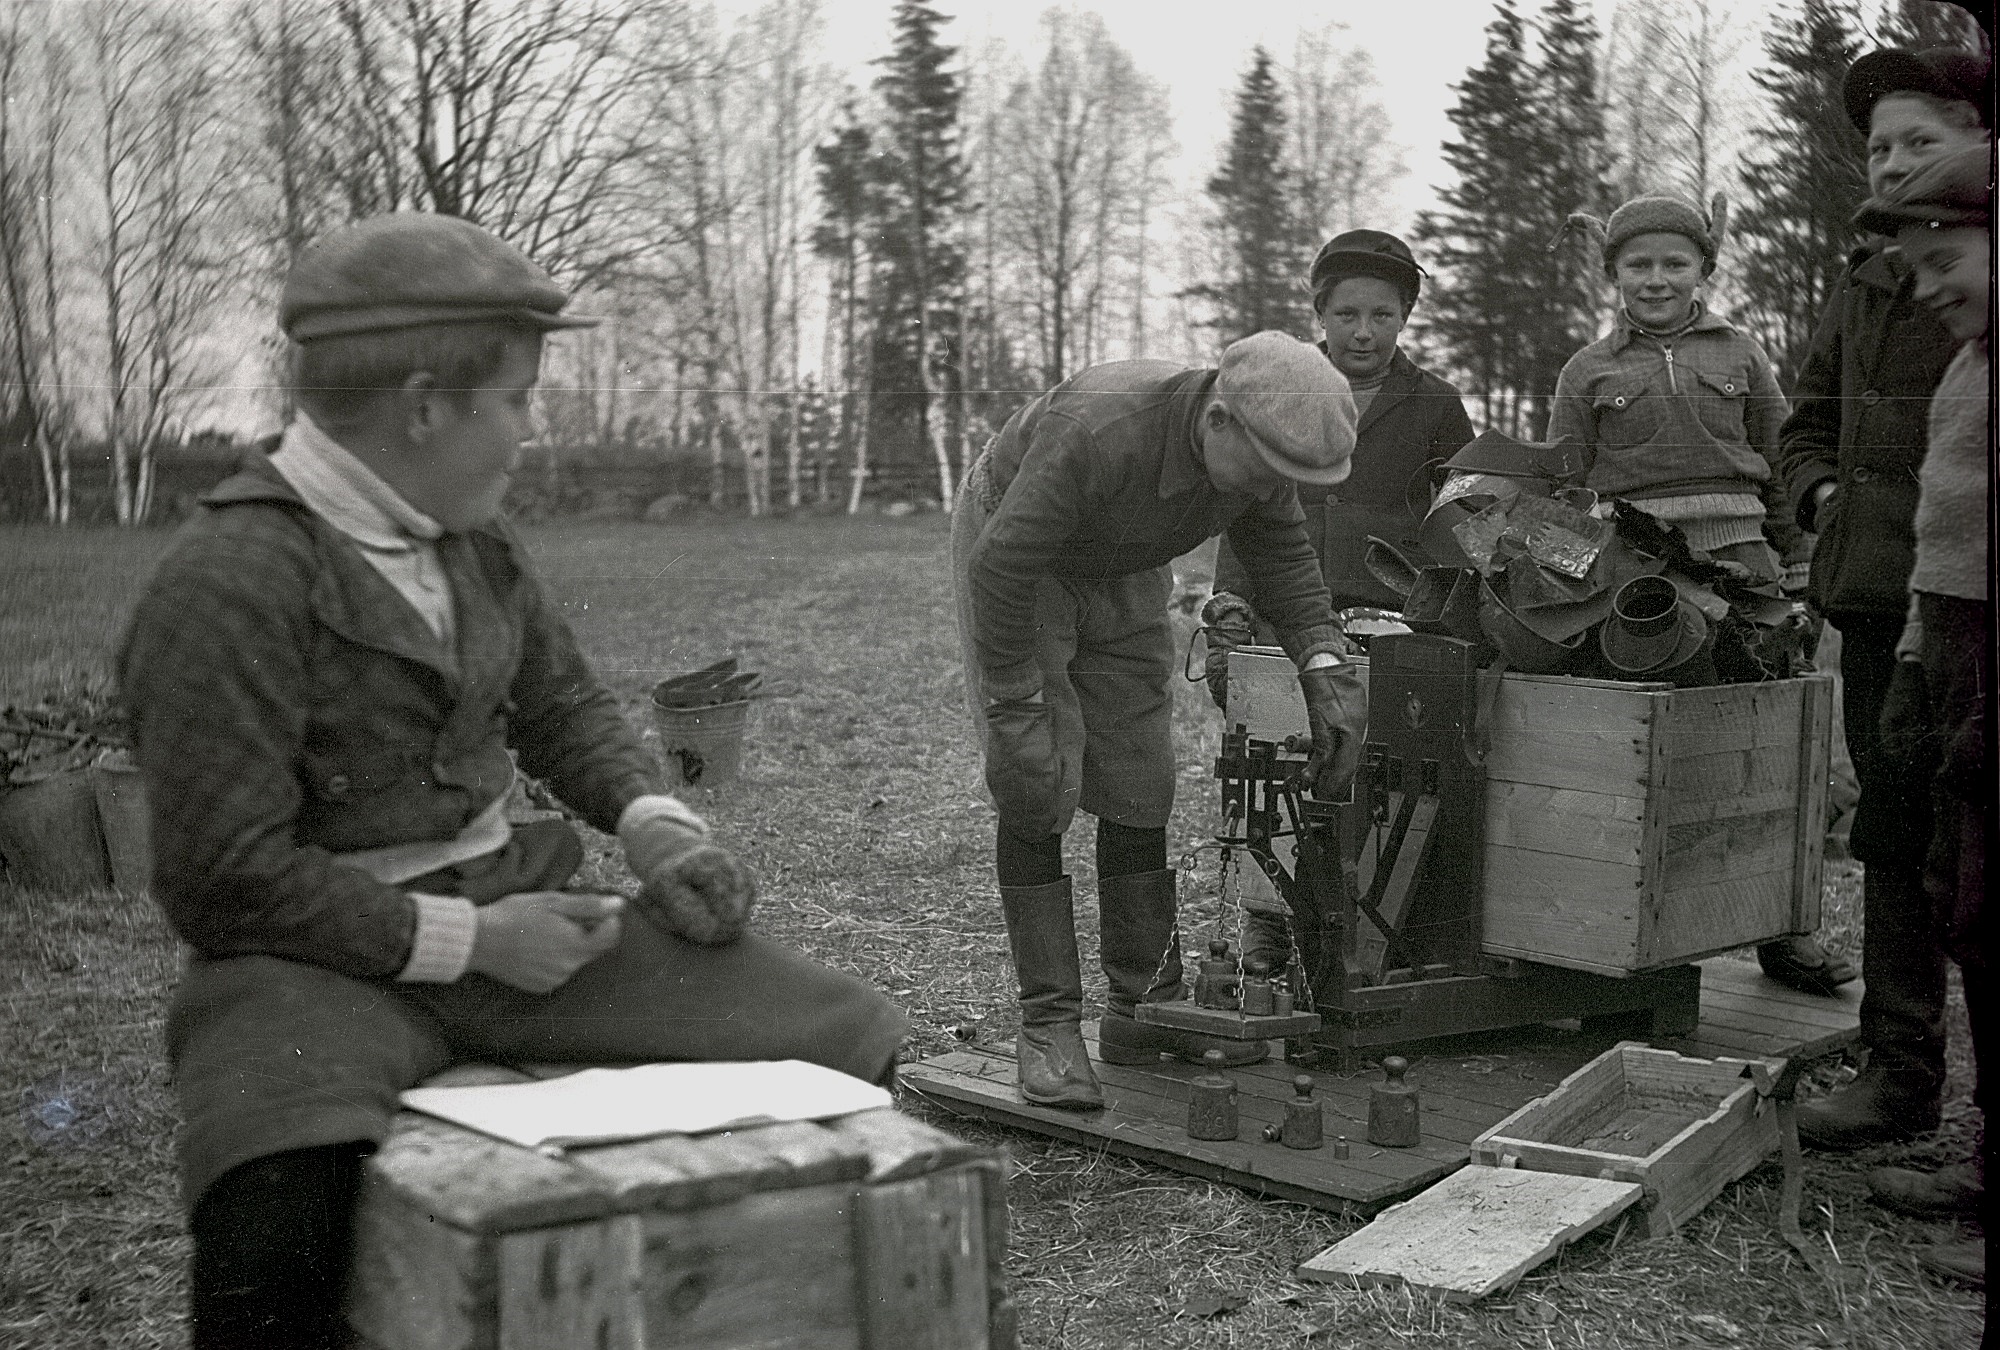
x,y
862,812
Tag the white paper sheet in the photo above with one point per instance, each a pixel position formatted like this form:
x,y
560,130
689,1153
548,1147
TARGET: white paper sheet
x,y
601,1106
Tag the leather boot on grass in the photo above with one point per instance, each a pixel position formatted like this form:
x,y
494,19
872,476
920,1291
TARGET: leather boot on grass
x,y
1142,962
1949,1193
1882,1106
1049,1056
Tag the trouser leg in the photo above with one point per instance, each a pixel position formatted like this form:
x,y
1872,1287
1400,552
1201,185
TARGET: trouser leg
x,y
272,1243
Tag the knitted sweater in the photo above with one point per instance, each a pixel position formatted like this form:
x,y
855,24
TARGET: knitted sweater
x,y
1954,486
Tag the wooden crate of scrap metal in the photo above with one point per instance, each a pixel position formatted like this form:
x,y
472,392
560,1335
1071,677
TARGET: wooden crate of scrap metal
x,y
1629,826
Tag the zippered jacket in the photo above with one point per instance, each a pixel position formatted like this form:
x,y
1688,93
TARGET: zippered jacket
x,y
1695,414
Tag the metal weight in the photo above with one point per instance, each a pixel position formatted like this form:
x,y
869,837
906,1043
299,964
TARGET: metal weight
x,y
1212,1102
1392,1108
1304,1125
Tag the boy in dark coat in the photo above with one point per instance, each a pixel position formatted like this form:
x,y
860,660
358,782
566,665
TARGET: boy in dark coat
x,y
1849,455
1365,283
326,677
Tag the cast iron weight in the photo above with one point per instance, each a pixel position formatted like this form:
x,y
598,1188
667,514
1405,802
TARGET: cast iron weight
x,y
1212,1101
1303,1127
1392,1108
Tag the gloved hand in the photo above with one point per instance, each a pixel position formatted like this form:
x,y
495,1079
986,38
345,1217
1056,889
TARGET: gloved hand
x,y
1337,713
1226,620
1022,769
1908,745
687,886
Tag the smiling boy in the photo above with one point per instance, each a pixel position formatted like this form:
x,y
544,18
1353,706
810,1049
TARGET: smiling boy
x,y
1679,413
1940,216
1849,455
330,676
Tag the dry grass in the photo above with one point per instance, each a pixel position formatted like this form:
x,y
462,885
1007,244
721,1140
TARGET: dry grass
x,y
862,811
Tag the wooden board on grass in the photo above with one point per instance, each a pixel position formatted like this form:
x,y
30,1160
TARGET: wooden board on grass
x,y
1465,1084
1476,1231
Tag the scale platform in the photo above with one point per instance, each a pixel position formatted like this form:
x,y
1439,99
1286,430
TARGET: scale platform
x,y
1466,1084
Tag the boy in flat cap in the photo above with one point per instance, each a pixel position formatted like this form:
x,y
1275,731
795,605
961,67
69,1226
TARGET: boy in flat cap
x,y
1061,543
326,676
1941,219
1849,455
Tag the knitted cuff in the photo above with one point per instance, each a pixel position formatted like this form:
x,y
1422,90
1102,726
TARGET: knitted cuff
x,y
657,828
442,947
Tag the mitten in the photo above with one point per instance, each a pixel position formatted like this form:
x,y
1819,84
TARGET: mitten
x,y
687,886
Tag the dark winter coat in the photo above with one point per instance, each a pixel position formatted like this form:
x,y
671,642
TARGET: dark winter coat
x,y
1414,421
1858,421
288,704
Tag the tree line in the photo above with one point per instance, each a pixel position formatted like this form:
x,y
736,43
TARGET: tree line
x,y
1560,117
822,290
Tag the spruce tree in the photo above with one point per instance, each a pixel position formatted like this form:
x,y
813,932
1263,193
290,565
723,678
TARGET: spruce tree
x,y
1476,239
1257,219
1568,161
921,196
1803,181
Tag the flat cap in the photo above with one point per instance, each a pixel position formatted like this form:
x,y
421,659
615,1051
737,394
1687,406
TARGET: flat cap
x,y
412,268
1941,72
1293,405
1953,189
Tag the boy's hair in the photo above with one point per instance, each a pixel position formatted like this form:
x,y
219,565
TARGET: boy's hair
x,y
336,378
1953,112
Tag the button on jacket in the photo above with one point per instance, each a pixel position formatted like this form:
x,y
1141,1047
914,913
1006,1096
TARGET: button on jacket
x,y
1859,423
1098,478
288,704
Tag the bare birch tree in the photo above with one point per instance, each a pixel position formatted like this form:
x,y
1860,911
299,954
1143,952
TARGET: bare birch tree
x,y
162,256
1075,145
510,114
1346,163
1672,93
36,96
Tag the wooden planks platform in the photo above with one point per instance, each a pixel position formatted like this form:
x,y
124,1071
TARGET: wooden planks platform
x,y
1467,1084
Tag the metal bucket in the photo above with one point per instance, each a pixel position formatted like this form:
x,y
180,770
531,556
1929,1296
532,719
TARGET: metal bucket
x,y
702,747
120,790
49,834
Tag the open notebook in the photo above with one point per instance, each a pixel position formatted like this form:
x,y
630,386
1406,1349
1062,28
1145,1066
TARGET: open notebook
x,y
603,1106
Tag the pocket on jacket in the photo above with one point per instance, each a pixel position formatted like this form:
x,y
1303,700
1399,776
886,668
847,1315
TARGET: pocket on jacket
x,y
1720,403
1627,414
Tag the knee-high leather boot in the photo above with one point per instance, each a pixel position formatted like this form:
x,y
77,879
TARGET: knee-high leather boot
x,y
1049,1054
1902,1021
1142,962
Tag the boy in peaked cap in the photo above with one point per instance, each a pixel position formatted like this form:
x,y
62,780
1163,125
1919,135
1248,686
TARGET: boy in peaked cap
x,y
1678,412
329,676
1062,540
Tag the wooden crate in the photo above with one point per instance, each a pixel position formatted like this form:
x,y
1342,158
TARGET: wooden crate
x,y
1681,1128
1629,826
875,1232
